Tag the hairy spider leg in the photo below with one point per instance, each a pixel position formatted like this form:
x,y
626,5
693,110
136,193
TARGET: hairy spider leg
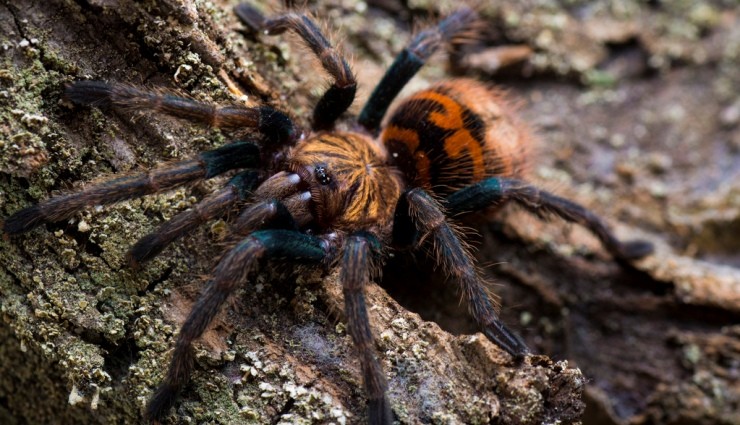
x,y
496,190
408,63
426,215
208,164
232,271
340,95
213,206
273,124
271,214
357,263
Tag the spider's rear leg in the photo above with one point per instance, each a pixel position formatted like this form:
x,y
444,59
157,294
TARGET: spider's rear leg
x,y
232,271
275,125
417,208
408,63
357,263
499,189
211,207
206,165
341,93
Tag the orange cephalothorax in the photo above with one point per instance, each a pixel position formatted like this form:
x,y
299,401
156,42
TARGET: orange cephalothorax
x,y
352,184
455,133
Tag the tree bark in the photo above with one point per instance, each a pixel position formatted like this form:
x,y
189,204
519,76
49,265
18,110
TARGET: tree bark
x,y
628,128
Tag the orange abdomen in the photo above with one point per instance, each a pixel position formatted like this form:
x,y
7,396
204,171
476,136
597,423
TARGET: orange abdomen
x,y
456,133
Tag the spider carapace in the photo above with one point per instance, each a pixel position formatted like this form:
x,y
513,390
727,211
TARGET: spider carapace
x,y
338,197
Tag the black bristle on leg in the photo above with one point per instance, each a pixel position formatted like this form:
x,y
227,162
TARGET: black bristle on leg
x,y
149,247
232,156
404,67
340,95
379,411
277,127
633,250
408,63
495,190
250,16
335,101
208,164
231,272
24,220
161,402
405,235
213,206
271,214
181,366
457,262
357,264
94,93
495,331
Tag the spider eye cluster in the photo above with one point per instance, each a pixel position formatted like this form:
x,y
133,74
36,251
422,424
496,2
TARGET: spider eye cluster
x,y
322,175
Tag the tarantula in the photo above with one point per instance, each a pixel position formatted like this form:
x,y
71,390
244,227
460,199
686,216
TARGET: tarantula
x,y
344,197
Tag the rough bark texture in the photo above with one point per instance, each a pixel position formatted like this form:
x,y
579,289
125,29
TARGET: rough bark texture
x,y
638,110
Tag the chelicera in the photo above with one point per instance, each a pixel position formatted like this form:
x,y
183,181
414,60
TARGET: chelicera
x,y
338,197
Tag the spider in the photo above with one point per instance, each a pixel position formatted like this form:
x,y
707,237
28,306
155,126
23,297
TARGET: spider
x,y
338,197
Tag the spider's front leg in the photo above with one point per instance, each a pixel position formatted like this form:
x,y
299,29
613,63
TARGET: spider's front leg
x,y
495,190
215,205
409,61
232,271
416,209
269,213
275,125
357,263
340,95
206,165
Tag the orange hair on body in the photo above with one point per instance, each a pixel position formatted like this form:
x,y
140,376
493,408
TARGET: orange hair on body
x,y
456,133
363,188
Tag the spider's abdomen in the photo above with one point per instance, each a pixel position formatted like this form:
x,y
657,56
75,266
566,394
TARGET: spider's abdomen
x,y
456,133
